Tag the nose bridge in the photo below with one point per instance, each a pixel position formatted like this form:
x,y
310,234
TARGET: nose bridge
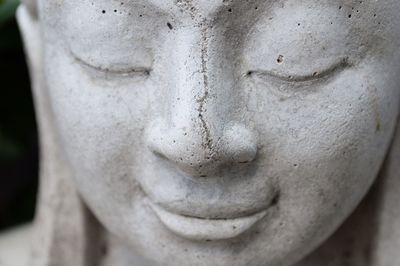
x,y
194,128
194,109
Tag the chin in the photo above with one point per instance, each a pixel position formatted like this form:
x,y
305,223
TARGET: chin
x,y
274,240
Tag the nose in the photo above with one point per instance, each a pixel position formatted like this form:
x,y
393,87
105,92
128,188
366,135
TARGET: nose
x,y
197,152
200,130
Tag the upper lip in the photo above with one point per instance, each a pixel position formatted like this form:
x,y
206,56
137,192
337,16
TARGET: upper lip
x,y
225,197
222,209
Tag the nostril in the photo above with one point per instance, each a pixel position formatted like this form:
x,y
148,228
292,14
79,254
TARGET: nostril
x,y
179,146
240,143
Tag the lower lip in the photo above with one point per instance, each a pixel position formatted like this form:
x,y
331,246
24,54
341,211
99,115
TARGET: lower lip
x,y
206,229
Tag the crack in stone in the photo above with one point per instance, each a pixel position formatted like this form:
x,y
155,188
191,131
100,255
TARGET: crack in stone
x,y
204,58
187,5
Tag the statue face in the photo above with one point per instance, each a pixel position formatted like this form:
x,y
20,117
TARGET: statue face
x,y
222,133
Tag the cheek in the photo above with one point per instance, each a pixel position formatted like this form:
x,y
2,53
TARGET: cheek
x,y
100,124
327,146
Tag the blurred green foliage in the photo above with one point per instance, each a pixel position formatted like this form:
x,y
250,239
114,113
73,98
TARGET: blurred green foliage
x,y
11,145
18,137
7,10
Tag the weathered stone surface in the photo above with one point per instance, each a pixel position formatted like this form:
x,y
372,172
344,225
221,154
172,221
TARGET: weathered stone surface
x,y
216,132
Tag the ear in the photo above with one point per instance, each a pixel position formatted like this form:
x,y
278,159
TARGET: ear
x,y
65,230
31,5
29,26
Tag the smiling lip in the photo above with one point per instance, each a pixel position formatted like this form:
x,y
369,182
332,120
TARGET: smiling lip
x,y
195,228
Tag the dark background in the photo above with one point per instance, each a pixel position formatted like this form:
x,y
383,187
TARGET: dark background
x,y
18,137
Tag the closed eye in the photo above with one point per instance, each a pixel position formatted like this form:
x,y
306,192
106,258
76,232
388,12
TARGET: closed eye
x,y
315,75
117,71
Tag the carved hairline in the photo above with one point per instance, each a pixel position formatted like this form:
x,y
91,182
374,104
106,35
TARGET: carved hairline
x,y
31,5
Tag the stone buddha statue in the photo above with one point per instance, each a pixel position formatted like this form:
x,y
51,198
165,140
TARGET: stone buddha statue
x,y
204,132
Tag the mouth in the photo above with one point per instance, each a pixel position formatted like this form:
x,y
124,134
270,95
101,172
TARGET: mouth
x,y
204,229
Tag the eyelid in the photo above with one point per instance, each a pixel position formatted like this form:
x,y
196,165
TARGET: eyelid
x,y
137,71
334,68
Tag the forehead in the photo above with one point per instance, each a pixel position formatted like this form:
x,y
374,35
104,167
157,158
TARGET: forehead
x,y
369,17
211,9
202,8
